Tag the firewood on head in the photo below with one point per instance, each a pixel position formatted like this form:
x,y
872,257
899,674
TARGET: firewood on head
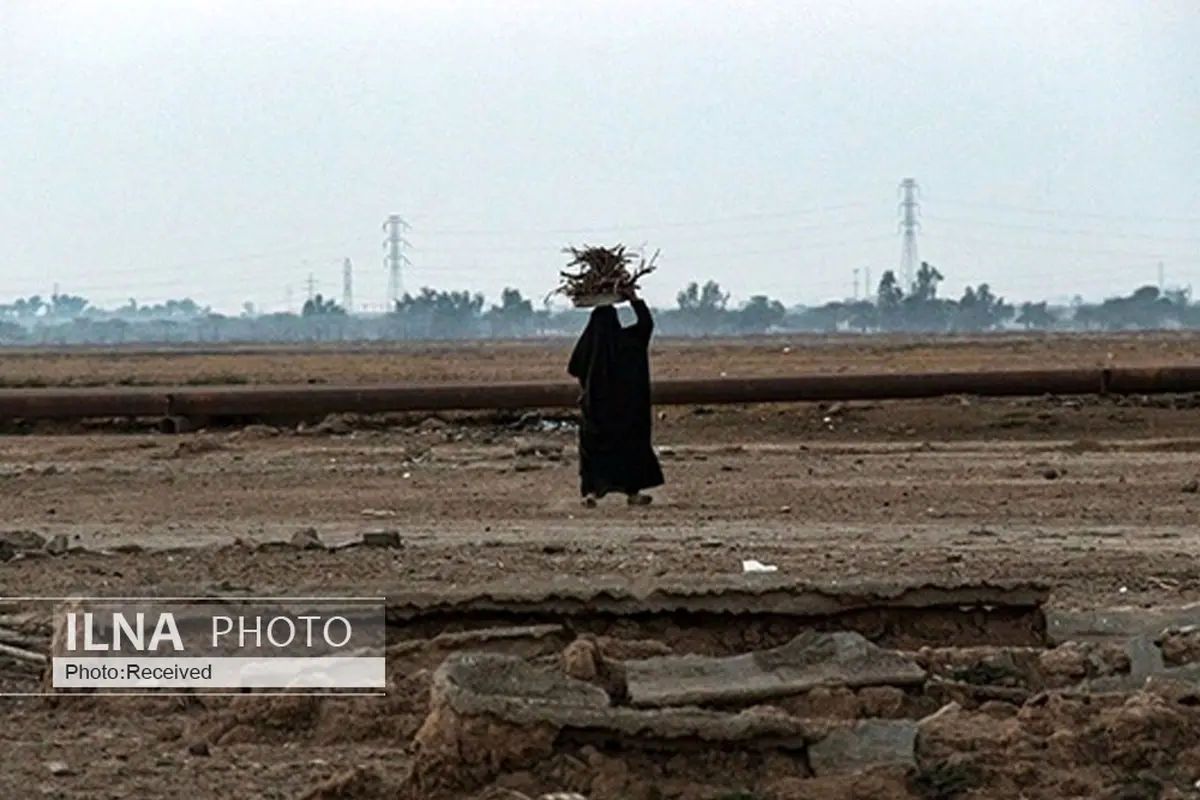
x,y
601,271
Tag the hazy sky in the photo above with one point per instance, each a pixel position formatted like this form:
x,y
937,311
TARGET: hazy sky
x,y
225,149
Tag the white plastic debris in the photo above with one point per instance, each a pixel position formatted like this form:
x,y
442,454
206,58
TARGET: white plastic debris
x,y
378,512
751,565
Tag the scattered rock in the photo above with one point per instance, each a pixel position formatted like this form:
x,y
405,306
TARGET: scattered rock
x,y
1052,473
868,744
199,748
1145,657
258,432
335,425
525,448
59,768
1180,645
307,539
808,661
584,660
1064,664
22,540
386,539
1191,487
7,552
58,545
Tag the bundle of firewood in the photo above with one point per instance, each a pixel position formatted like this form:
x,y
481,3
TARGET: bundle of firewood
x,y
601,274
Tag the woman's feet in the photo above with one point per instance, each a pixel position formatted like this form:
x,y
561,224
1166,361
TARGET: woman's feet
x,y
635,499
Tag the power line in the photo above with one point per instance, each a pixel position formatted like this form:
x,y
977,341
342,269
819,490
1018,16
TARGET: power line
x,y
687,247
1082,251
549,246
234,259
652,226
343,243
1062,231
1059,213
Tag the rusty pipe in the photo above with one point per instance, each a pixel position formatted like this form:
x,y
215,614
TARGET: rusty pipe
x,y
316,400
1153,380
73,404
878,386
309,401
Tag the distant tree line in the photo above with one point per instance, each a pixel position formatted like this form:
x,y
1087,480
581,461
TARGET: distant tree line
x,y
700,310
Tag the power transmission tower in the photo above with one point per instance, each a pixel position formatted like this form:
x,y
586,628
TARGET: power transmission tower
x,y
348,286
311,283
908,227
395,227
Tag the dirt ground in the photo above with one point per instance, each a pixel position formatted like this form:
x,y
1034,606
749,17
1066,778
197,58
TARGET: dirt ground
x,y
546,359
1097,497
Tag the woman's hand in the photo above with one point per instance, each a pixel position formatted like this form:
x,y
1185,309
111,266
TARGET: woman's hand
x,y
628,293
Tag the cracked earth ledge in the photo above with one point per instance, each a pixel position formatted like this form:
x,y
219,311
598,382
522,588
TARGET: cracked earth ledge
x,y
823,710
628,690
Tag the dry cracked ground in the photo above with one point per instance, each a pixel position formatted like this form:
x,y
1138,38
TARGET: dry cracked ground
x,y
940,623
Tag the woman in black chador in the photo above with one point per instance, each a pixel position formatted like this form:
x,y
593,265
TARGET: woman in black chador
x,y
612,365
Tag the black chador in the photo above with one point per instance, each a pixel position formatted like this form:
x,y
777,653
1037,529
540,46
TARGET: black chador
x,y
612,365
